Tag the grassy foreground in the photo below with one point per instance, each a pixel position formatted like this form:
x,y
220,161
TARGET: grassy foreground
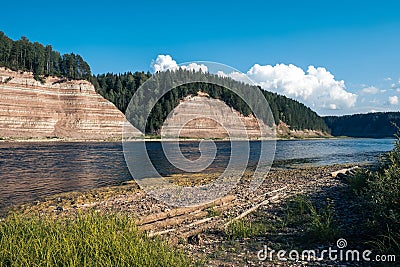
x,y
89,239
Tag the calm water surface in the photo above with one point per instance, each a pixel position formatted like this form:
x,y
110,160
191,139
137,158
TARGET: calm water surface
x,y
31,171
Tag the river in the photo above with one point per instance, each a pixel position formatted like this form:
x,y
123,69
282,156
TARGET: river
x,y
32,170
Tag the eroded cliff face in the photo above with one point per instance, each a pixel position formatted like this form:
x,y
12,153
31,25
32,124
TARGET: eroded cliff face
x,y
204,117
57,108
283,131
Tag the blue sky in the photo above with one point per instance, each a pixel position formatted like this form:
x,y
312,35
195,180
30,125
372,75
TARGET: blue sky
x,y
357,42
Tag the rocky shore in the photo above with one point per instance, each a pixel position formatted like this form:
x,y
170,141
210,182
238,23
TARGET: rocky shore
x,y
202,231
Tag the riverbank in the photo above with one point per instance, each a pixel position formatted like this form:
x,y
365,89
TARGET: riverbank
x,y
55,139
158,138
123,197
210,233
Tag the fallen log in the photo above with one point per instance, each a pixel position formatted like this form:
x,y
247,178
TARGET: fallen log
x,y
252,209
184,210
343,171
173,221
150,234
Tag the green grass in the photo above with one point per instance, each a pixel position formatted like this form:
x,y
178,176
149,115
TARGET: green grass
x,y
358,181
382,197
319,224
213,212
243,229
388,243
89,239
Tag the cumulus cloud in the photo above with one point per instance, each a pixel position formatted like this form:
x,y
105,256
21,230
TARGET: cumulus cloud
x,y
165,62
195,67
238,76
393,100
317,87
370,90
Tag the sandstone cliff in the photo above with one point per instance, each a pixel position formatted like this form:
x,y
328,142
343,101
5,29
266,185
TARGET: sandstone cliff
x,y
283,131
204,117
56,108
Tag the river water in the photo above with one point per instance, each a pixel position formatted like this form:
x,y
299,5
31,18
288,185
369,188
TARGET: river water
x,y
30,171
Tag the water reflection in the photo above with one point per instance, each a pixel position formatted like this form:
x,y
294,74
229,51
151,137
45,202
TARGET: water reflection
x,y
33,170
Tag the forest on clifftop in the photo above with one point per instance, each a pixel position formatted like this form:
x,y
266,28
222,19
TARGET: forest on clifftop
x,y
43,61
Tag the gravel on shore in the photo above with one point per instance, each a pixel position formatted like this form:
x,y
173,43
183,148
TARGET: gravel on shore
x,y
210,245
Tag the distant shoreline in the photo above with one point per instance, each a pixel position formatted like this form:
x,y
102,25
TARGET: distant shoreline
x,y
151,138
114,140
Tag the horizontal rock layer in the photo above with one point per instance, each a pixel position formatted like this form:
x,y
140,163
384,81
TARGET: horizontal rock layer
x,y
56,108
203,117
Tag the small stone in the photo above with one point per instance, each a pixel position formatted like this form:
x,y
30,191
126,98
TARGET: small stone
x,y
59,208
195,239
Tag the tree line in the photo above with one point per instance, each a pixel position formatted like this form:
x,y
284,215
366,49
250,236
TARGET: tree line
x,y
23,55
373,125
119,89
43,61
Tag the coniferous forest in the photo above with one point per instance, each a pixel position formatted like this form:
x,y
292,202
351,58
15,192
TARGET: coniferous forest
x,y
43,61
373,125
119,88
23,55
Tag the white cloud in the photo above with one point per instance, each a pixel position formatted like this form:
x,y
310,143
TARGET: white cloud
x,y
195,67
387,79
238,76
165,62
393,100
370,90
220,73
317,87
332,106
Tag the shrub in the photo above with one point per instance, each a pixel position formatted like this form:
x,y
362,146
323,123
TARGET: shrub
x,y
382,195
383,190
358,181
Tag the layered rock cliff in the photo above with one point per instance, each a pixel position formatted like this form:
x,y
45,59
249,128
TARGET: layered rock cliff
x,y
55,108
204,117
284,131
